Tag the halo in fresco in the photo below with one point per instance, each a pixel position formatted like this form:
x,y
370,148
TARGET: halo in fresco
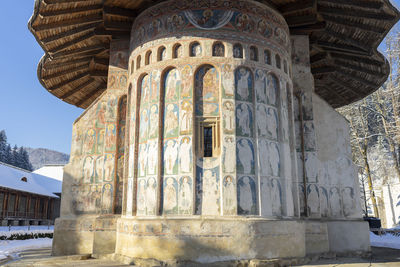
x,y
208,19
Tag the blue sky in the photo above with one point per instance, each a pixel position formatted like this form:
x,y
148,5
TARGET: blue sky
x,y
30,115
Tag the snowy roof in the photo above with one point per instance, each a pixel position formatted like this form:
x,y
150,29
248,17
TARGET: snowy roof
x,y
11,177
52,171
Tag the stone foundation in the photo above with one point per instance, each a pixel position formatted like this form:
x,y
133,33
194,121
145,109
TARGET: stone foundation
x,y
210,240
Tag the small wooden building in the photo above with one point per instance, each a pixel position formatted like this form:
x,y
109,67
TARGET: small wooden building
x,y
27,198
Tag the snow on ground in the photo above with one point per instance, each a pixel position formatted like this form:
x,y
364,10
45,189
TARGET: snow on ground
x,y
6,231
9,247
386,240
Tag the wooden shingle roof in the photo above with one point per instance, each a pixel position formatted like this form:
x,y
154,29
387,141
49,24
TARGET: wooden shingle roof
x,y
344,35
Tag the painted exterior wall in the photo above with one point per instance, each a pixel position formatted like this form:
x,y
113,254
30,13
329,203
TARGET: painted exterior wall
x,y
138,178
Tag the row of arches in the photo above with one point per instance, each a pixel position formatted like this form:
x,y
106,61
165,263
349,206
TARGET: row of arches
x,y
218,50
158,190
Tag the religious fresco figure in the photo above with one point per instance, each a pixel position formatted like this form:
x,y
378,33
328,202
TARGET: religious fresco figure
x,y
334,202
185,155
90,141
312,165
274,159
245,156
218,50
261,120
111,138
272,123
244,23
186,88
207,91
348,201
244,84
237,51
272,89
228,114
210,197
100,168
151,196
313,199
246,195
170,195
185,195
260,86
142,159
276,197
109,167
172,85
195,50
171,120
155,86
141,197
170,156
106,199
186,113
324,202
229,158
153,131
264,28
88,168
263,151
229,196
228,80
175,22
152,157
244,120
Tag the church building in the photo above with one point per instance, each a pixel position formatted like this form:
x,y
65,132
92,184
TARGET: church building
x,y
209,132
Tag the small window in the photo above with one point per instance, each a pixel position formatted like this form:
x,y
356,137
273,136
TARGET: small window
x,y
208,145
132,66
148,58
195,49
253,53
177,51
218,50
237,51
278,61
24,179
267,57
161,53
139,58
208,139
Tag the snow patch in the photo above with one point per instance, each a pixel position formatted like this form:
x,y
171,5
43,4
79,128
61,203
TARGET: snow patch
x,y
386,240
8,247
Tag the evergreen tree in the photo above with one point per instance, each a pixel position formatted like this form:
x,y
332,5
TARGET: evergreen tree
x,y
8,154
3,145
24,159
15,157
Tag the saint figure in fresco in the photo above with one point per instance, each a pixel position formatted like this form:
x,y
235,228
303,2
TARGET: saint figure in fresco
x,y
245,195
185,154
106,201
335,202
227,80
245,155
170,195
170,154
186,81
229,194
152,156
260,86
144,124
186,116
262,120
274,159
276,197
210,193
229,155
272,123
243,116
109,167
272,88
228,114
185,195
153,121
313,199
142,159
243,83
141,196
151,198
171,119
264,157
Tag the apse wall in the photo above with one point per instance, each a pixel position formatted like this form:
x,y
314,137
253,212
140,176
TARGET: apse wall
x,y
191,68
